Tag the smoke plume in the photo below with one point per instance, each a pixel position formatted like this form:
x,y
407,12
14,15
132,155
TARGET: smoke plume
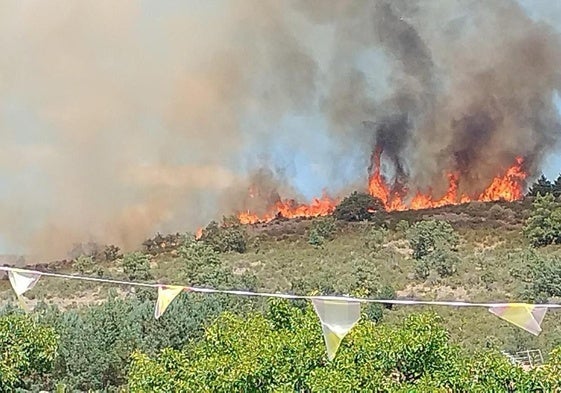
x,y
122,119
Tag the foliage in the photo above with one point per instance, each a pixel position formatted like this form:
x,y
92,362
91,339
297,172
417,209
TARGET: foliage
x,y
230,236
96,342
136,266
357,207
545,278
321,231
376,238
27,351
427,236
543,227
284,351
402,226
541,187
84,264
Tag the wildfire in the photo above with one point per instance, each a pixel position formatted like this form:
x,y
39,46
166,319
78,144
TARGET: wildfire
x,y
291,209
507,186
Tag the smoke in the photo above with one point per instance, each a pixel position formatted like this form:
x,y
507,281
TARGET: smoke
x,y
119,120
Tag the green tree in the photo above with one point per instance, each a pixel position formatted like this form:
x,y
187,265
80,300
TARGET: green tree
x,y
557,187
357,207
283,351
543,227
27,351
542,186
427,236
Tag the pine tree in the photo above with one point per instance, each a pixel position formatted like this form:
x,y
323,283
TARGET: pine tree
x,y
557,187
542,186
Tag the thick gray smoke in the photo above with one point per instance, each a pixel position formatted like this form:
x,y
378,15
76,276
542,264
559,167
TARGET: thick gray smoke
x,y
122,119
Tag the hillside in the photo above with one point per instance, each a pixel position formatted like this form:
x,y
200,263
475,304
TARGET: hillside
x,y
490,263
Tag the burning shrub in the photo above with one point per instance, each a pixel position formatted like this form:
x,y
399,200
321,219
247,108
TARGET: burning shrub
x,y
426,237
226,237
543,227
358,207
321,231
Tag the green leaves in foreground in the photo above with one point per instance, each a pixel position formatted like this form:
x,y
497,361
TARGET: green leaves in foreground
x,y
284,352
27,350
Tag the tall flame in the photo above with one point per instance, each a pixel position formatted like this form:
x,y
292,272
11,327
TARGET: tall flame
x,y
508,187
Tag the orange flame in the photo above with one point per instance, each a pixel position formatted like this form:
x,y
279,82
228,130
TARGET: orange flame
x,y
291,209
508,187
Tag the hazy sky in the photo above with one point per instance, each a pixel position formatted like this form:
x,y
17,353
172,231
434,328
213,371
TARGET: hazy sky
x,y
94,83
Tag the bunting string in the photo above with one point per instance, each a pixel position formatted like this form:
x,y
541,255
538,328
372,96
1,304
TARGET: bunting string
x,y
408,302
337,314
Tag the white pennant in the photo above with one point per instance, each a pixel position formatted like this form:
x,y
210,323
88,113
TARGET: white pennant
x,y
22,281
337,318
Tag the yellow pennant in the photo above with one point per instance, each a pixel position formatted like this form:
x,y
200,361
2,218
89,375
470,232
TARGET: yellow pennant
x,y
525,316
166,294
337,318
22,281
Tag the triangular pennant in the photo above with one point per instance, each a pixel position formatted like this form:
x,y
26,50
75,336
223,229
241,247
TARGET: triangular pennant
x,y
22,281
337,318
525,316
166,294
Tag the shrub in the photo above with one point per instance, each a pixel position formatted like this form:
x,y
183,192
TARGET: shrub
x,y
402,226
427,236
376,238
27,351
543,227
321,231
136,266
545,278
227,237
444,262
357,207
84,264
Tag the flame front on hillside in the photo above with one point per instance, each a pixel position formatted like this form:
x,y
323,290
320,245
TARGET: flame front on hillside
x,y
507,186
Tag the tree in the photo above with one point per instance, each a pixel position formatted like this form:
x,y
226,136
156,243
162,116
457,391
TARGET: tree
x,y
426,237
27,351
358,207
283,351
557,187
543,227
542,186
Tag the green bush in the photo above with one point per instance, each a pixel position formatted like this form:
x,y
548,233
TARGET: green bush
x,y
375,238
136,266
27,351
545,278
321,231
358,207
230,236
96,341
427,236
543,227
444,262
